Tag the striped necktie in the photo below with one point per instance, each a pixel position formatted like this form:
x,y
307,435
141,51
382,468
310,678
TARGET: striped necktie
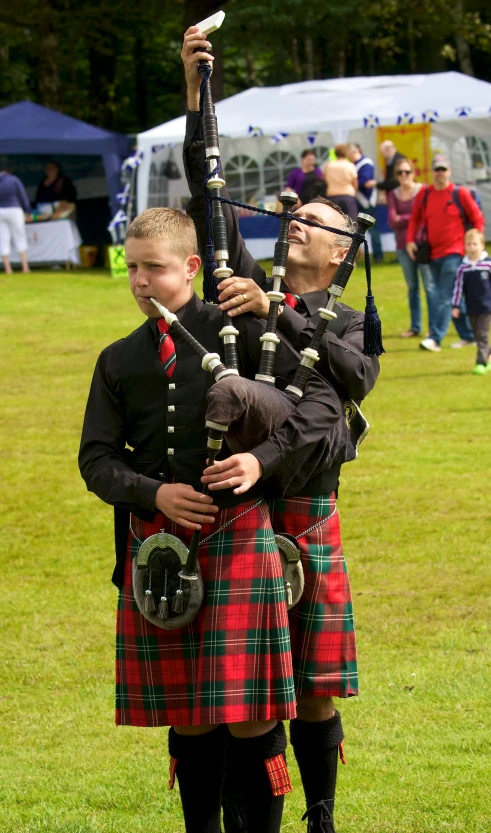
x,y
167,351
291,300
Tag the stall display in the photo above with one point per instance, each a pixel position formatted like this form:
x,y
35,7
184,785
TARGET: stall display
x,y
51,241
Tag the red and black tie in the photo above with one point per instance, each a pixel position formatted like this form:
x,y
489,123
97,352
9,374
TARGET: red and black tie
x,y
291,300
167,351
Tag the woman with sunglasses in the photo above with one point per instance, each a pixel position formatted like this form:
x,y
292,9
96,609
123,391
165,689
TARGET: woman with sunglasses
x,y
400,202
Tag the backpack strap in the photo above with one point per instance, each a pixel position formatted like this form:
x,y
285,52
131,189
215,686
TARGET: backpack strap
x,y
456,200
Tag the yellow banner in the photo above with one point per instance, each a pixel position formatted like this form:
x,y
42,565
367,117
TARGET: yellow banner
x,y
412,140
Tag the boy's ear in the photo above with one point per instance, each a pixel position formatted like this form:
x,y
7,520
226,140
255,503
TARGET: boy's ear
x,y
193,264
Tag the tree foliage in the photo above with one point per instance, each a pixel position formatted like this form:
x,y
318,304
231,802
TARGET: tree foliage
x,y
117,64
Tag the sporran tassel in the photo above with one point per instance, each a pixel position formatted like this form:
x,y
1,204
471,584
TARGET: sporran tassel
x,y
163,608
178,601
149,605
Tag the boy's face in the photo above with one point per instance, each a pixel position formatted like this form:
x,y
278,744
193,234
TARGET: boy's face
x,y
156,271
473,248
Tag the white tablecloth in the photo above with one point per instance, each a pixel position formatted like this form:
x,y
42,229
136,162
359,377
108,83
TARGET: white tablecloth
x,y
55,241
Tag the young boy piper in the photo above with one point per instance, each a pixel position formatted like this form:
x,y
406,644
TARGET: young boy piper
x,y
474,283
223,683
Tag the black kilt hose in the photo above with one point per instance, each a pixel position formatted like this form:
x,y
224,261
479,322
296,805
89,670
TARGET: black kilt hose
x,y
233,662
321,624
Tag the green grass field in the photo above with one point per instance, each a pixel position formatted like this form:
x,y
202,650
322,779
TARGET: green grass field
x,y
415,516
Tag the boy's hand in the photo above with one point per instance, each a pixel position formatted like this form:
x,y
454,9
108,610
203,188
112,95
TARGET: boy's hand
x,y
455,312
231,298
240,470
181,504
193,39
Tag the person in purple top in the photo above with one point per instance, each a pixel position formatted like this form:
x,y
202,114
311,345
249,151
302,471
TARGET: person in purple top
x,y
307,180
14,204
400,201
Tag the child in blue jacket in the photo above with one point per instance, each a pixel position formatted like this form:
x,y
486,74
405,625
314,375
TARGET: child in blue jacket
x,y
474,282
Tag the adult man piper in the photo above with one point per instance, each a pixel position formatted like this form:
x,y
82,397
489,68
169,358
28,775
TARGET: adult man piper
x,y
321,625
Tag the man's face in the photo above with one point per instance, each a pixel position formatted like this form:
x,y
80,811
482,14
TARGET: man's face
x,y
441,177
354,155
313,248
387,151
156,271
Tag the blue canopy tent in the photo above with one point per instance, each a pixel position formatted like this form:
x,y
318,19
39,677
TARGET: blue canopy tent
x,y
30,128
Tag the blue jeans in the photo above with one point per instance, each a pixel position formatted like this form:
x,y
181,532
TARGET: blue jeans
x,y
374,233
444,271
410,269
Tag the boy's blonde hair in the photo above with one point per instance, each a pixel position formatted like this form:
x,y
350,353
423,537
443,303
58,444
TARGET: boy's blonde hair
x,y
168,224
473,232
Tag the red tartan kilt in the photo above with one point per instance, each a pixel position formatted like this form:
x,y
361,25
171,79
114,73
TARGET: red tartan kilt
x,y
233,662
321,624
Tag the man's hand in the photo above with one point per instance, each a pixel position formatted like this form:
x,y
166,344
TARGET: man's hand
x,y
455,312
240,470
181,504
193,39
238,295
370,183
411,249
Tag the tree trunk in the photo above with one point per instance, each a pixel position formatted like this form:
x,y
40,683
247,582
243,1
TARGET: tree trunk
x,y
251,70
49,84
464,55
463,50
411,49
102,88
296,59
140,81
309,58
341,63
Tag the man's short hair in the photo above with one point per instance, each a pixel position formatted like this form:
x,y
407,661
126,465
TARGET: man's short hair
x,y
348,225
307,152
167,224
473,232
387,144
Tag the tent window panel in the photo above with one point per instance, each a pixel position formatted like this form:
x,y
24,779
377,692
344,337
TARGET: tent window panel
x,y
479,154
243,177
276,168
158,186
321,155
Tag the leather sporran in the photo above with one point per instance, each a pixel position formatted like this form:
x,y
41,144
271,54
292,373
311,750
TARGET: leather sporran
x,y
291,563
163,598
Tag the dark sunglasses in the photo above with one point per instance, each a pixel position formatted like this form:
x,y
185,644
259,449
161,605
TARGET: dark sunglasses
x,y
440,169
403,171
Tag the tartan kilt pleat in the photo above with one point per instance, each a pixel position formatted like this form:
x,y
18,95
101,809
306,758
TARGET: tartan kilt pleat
x,y
233,662
322,629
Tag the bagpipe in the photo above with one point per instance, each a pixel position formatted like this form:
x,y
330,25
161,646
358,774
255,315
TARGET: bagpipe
x,y
241,411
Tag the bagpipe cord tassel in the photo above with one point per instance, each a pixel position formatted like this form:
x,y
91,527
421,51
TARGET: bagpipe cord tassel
x,y
372,327
210,293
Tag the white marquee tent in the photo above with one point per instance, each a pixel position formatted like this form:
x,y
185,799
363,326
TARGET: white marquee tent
x,y
264,130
